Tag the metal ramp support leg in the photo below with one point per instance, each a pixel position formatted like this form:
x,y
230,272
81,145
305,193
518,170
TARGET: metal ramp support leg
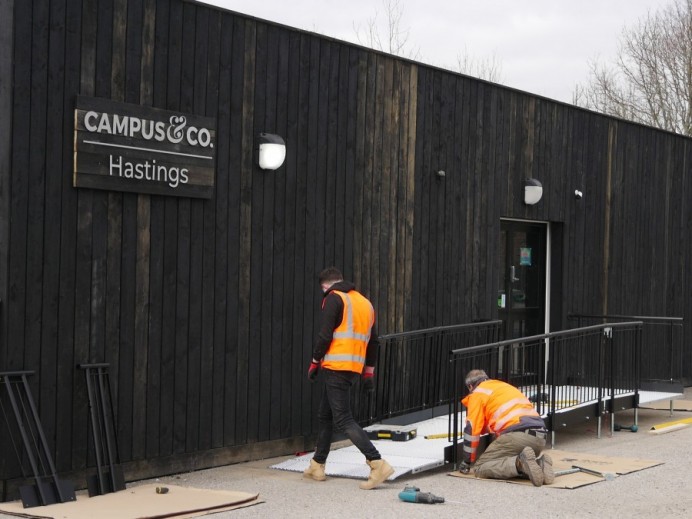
x,y
109,476
47,488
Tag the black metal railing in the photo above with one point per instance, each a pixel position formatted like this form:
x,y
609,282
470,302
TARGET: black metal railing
x,y
591,368
412,369
662,348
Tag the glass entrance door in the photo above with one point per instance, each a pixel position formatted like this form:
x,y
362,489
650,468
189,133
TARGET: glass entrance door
x,y
522,296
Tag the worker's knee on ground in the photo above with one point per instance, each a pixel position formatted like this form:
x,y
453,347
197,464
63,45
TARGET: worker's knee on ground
x,y
478,472
483,471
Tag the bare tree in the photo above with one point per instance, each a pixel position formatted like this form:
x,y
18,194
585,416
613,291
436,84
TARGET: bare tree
x,y
650,80
390,36
489,68
393,38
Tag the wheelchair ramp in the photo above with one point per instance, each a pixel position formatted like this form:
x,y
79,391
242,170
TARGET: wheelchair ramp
x,y
406,457
651,397
420,454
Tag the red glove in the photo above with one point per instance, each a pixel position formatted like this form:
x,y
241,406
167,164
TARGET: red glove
x,y
369,379
312,370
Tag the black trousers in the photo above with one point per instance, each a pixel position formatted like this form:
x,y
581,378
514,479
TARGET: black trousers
x,y
335,411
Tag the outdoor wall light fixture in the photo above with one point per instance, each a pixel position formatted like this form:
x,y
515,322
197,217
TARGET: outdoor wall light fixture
x,y
440,174
533,191
271,151
578,194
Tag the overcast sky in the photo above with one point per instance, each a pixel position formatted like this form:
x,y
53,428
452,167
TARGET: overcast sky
x,y
542,46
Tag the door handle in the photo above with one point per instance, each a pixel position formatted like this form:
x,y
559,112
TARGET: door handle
x,y
512,272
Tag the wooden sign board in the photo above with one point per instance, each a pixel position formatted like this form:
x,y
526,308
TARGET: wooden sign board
x,y
133,148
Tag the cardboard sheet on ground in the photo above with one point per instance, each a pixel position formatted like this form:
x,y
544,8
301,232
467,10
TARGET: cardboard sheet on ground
x,y
139,502
563,460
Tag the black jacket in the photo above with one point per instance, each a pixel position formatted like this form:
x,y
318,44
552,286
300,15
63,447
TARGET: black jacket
x,y
330,319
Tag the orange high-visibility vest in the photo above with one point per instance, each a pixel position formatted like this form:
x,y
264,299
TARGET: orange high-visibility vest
x,y
350,339
494,407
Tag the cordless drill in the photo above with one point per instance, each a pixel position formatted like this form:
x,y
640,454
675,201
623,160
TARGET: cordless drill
x,y
414,495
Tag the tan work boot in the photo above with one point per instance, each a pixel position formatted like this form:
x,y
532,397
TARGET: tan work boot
x,y
546,463
315,471
379,471
527,461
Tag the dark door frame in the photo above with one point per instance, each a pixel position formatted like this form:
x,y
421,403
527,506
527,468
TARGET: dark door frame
x,y
513,296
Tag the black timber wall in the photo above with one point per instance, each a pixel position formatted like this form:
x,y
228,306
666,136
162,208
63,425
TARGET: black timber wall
x,y
206,309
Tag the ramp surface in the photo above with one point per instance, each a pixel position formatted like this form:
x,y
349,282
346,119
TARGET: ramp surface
x,y
421,454
409,457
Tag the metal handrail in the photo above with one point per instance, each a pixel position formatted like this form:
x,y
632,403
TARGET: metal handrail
x,y
652,345
411,372
564,363
631,317
440,329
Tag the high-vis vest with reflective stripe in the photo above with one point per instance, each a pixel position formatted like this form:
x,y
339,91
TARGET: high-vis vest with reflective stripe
x,y
495,407
350,340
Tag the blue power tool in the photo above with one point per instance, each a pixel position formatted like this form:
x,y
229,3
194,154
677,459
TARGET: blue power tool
x,y
414,495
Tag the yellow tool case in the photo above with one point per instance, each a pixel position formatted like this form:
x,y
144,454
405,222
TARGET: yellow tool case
x,y
397,433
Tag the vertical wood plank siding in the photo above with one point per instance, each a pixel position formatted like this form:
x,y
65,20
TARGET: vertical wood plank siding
x,y
206,309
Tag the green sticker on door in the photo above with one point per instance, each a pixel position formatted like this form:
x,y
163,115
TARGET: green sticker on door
x,y
525,256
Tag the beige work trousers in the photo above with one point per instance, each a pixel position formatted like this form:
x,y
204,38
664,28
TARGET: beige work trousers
x,y
499,459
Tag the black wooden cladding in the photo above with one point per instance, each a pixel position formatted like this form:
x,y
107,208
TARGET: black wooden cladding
x,y
206,309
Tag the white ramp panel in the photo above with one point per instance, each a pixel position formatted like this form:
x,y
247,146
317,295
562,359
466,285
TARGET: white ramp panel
x,y
349,464
409,457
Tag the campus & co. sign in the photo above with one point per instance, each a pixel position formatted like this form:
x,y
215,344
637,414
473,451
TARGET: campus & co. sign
x,y
126,147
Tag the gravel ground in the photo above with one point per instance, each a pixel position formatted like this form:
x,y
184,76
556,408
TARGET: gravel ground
x,y
663,491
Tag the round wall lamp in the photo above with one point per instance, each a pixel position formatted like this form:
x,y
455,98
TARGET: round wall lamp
x,y
271,151
533,191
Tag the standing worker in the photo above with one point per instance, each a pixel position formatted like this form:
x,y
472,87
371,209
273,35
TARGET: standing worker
x,y
519,434
345,347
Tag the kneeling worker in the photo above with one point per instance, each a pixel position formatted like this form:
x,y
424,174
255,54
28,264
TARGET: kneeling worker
x,y
519,434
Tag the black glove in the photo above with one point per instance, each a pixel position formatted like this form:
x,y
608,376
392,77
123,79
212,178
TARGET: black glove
x,y
312,370
368,382
464,467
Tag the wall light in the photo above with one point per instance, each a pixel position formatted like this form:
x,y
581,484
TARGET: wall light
x,y
533,191
271,151
440,173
